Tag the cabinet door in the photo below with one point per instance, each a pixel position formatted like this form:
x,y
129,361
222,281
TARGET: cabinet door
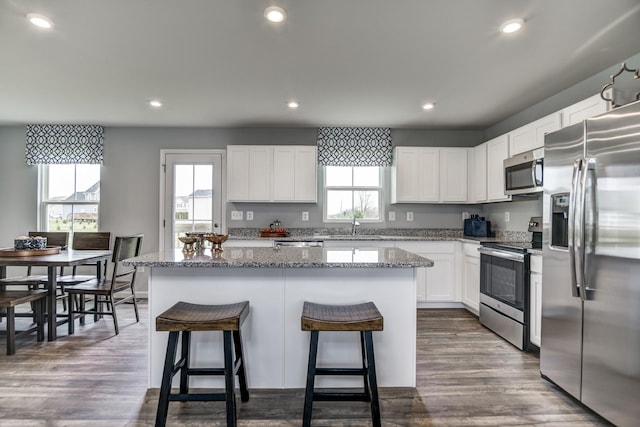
x,y
439,283
585,109
478,175
260,160
536,308
405,175
284,163
306,174
497,152
471,277
453,174
531,136
428,174
237,173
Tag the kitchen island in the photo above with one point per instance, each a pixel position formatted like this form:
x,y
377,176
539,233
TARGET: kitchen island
x,y
276,282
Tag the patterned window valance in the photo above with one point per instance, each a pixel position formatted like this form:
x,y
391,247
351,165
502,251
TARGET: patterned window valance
x,y
64,144
354,146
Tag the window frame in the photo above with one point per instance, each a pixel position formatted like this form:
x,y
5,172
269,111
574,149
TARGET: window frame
x,y
43,203
379,189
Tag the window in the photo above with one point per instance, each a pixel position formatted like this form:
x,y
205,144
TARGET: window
x,y
69,197
352,192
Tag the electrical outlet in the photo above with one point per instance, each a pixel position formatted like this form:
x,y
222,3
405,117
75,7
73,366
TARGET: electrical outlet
x,y
236,215
507,217
392,216
305,216
409,216
465,215
249,215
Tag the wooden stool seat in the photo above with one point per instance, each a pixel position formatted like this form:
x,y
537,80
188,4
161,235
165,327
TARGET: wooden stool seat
x,y
9,300
355,317
184,316
182,319
363,318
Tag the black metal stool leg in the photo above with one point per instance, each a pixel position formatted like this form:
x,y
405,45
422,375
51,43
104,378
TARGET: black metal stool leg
x,y
373,383
184,371
229,380
242,375
311,376
365,375
165,387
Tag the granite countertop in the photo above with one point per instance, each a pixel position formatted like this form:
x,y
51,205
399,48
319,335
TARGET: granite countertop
x,y
287,257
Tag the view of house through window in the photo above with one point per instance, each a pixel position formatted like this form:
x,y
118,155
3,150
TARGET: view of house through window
x,y
70,197
352,192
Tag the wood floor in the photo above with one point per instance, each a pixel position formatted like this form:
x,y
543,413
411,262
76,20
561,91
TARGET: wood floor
x,y
467,376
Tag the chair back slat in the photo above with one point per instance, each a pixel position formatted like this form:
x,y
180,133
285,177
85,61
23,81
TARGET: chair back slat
x,y
91,241
54,238
123,248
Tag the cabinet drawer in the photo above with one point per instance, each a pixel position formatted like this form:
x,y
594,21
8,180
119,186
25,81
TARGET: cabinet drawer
x,y
471,249
427,247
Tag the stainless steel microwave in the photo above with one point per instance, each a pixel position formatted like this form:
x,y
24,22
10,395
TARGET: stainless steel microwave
x,y
523,172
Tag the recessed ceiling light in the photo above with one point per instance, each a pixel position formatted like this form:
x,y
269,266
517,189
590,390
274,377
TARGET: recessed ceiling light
x,y
428,106
40,21
155,103
293,105
275,14
512,25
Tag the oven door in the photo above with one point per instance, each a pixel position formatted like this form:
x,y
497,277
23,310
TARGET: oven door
x,y
503,277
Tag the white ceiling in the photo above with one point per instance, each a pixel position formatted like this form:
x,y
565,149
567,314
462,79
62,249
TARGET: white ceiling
x,y
348,62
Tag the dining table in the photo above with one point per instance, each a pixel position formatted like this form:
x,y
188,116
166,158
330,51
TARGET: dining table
x,y
65,258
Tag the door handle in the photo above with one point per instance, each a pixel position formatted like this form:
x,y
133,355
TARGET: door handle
x,y
571,232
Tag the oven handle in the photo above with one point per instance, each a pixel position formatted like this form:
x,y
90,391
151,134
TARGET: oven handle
x,y
502,254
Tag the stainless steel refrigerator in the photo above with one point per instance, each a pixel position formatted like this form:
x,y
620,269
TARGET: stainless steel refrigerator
x,y
591,263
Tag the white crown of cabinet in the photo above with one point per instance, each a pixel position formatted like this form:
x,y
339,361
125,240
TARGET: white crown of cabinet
x,y
272,173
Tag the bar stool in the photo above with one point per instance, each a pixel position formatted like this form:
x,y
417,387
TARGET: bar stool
x,y
185,317
364,318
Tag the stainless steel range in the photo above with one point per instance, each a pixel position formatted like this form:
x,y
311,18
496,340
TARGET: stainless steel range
x,y
504,291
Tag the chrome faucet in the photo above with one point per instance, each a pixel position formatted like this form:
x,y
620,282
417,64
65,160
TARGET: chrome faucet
x,y
354,224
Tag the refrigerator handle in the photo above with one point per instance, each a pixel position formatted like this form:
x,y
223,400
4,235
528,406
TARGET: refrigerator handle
x,y
571,232
589,238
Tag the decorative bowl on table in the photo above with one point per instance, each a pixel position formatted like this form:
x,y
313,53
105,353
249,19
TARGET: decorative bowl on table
x,y
217,240
188,243
29,243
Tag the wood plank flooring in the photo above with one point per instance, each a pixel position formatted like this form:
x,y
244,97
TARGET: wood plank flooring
x,y
467,376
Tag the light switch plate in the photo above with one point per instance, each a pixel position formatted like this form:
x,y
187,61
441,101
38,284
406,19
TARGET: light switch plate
x,y
392,216
305,216
409,216
507,217
249,215
236,215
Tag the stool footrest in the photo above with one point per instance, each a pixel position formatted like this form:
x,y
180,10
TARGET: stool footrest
x,y
340,371
341,396
197,397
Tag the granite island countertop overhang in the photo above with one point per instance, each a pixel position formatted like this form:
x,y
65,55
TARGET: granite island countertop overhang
x,y
286,257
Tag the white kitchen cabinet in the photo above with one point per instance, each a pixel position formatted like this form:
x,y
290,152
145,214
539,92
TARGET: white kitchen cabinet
x,y
267,173
584,109
535,299
440,283
471,276
415,175
359,244
478,174
531,136
453,174
429,175
294,174
497,152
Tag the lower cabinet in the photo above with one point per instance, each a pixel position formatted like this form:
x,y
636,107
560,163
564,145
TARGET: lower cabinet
x,y
257,243
535,300
440,283
471,277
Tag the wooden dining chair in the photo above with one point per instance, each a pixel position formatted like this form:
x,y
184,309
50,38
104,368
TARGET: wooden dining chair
x,y
90,241
104,289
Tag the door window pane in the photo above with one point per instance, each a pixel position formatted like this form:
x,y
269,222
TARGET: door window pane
x,y
193,199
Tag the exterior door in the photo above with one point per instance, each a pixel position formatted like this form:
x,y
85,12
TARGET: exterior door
x,y
193,199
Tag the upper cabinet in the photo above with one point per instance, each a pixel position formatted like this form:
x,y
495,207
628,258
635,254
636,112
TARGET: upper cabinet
x,y
429,175
531,136
477,179
272,173
582,110
497,152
